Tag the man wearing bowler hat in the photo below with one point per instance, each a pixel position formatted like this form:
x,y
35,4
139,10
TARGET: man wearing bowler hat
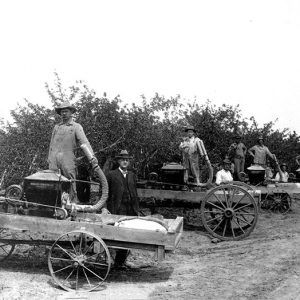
x,y
65,139
122,196
191,147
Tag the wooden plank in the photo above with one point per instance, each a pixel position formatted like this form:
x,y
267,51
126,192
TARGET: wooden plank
x,y
173,240
169,194
176,225
126,245
185,196
27,242
58,227
100,218
160,253
177,240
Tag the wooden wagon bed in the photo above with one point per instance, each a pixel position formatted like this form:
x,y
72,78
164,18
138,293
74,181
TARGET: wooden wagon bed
x,y
79,257
116,237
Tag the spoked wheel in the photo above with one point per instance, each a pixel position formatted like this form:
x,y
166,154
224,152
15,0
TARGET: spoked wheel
x,y
278,202
79,260
229,212
6,248
14,192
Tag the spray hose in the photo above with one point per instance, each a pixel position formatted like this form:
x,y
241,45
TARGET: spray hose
x,y
103,183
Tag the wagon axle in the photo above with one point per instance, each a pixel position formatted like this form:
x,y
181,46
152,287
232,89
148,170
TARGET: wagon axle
x,y
228,213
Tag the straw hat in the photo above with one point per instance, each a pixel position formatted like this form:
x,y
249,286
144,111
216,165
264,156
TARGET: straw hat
x,y
65,105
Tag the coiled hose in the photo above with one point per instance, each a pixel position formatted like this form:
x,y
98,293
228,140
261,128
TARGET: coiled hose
x,y
104,195
103,183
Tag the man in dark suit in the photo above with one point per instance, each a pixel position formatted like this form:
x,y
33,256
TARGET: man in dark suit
x,y
122,196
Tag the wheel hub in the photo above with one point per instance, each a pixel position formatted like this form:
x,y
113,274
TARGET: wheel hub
x,y
79,260
228,213
277,200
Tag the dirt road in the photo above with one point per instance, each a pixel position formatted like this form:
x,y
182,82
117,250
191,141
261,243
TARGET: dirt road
x,y
266,265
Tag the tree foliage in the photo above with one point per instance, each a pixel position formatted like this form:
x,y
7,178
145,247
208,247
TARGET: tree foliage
x,y
150,131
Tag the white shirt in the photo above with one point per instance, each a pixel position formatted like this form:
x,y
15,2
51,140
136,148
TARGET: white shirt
x,y
124,173
285,177
223,176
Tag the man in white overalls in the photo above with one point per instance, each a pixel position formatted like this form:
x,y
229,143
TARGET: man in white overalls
x,y
67,136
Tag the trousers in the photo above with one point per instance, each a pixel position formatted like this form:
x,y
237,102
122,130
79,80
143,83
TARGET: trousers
x,y
239,166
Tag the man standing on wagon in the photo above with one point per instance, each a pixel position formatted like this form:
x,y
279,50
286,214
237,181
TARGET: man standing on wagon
x,y
237,151
191,148
260,152
65,139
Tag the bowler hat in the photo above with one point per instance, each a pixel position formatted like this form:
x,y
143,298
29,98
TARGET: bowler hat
x,y
190,128
65,105
283,164
123,154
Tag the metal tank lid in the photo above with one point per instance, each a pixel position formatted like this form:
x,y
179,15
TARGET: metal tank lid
x,y
256,168
47,175
173,166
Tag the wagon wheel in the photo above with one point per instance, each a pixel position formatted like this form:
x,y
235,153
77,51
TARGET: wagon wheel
x,y
278,202
79,260
229,212
14,192
6,248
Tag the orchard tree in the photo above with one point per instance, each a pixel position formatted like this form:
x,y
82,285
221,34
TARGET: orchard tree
x,y
151,130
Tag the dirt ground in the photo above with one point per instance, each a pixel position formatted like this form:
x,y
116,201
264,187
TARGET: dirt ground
x,y
266,265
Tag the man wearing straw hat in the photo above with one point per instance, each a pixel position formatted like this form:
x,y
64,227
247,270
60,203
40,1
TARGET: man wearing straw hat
x,y
65,139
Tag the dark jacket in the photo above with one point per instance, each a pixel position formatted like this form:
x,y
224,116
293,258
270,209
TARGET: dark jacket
x,y
117,185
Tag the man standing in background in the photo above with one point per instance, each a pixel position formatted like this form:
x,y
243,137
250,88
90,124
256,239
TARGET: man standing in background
x,y
192,147
237,151
260,152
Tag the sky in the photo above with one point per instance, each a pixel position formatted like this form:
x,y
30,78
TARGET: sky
x,y
232,52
